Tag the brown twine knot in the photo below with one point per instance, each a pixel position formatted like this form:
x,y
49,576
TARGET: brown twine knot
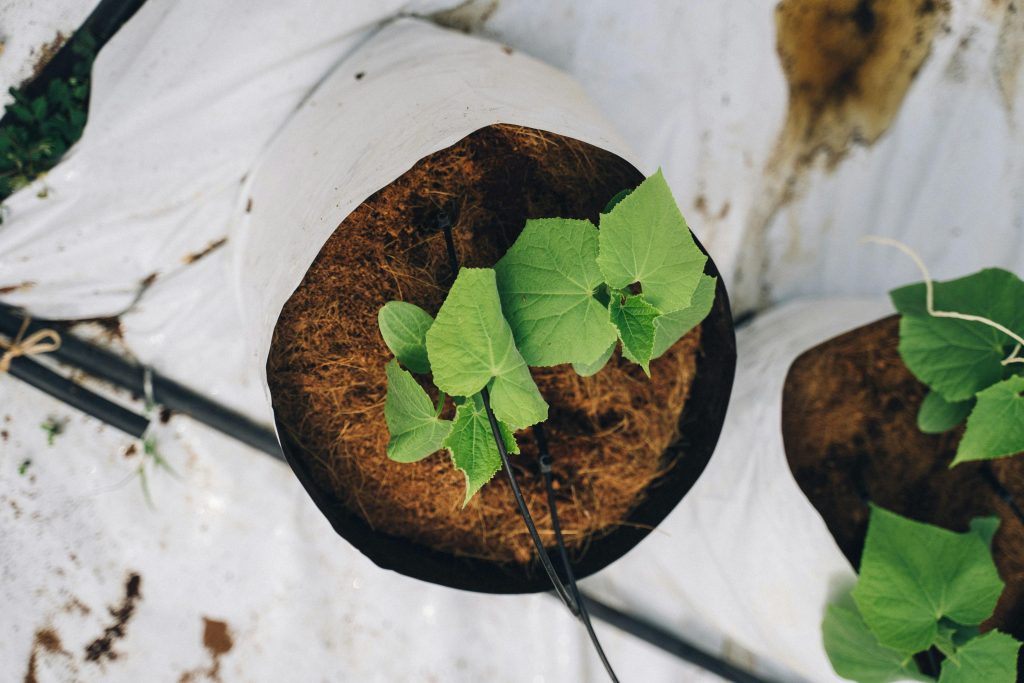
x,y
41,341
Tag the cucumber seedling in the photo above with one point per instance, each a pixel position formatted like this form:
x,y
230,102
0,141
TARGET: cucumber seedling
x,y
566,292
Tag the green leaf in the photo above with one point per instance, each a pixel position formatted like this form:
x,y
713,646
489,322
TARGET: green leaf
x,y
645,239
958,358
470,347
996,426
412,420
634,318
937,415
547,281
614,201
471,443
586,370
986,527
404,328
856,654
991,658
671,327
913,574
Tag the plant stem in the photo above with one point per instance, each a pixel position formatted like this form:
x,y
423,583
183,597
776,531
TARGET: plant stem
x,y
929,291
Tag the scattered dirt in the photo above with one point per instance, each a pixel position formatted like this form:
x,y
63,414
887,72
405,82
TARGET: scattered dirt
x,y
110,325
103,647
218,641
1009,55
11,289
46,640
468,17
45,53
326,366
849,424
211,247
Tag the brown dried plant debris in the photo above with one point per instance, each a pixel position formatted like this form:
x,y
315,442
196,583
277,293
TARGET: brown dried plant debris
x,y
326,367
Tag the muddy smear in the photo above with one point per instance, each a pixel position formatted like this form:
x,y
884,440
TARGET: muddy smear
x,y
468,17
46,52
1009,54
46,641
103,647
218,641
206,251
848,65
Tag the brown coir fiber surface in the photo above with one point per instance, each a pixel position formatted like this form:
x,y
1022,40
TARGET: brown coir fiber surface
x,y
326,366
849,424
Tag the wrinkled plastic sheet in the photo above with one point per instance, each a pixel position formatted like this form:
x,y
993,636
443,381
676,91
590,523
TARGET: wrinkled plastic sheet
x,y
744,565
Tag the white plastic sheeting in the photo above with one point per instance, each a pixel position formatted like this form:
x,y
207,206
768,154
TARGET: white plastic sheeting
x,y
745,552
186,99
419,89
30,30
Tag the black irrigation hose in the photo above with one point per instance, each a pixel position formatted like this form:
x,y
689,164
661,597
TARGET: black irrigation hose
x,y
540,436
997,488
76,396
125,374
524,509
666,641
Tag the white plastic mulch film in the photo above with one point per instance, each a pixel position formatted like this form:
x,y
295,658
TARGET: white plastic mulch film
x,y
200,105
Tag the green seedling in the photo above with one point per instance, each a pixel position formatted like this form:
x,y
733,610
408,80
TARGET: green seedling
x,y
921,587
566,292
963,339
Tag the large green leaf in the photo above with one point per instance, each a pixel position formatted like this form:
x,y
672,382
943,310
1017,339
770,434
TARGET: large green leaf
x,y
856,654
958,358
991,658
913,574
588,369
670,328
472,445
644,239
547,281
937,415
470,346
634,318
404,328
416,430
996,426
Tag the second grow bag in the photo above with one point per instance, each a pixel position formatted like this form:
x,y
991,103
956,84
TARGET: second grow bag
x,y
411,91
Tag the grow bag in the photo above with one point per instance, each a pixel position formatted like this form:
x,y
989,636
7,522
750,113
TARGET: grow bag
x,y
412,91
849,425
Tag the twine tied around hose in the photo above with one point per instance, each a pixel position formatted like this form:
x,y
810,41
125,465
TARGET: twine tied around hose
x,y
40,341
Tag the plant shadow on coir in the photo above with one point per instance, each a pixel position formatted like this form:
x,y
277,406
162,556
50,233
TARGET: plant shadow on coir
x,y
608,432
849,424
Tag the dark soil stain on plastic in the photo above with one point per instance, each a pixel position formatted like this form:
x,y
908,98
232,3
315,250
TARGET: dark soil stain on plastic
x,y
1009,54
103,647
46,52
21,287
218,641
210,248
110,325
848,65
468,17
46,640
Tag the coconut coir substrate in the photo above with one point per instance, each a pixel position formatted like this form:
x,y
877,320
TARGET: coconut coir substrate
x,y
607,433
849,424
